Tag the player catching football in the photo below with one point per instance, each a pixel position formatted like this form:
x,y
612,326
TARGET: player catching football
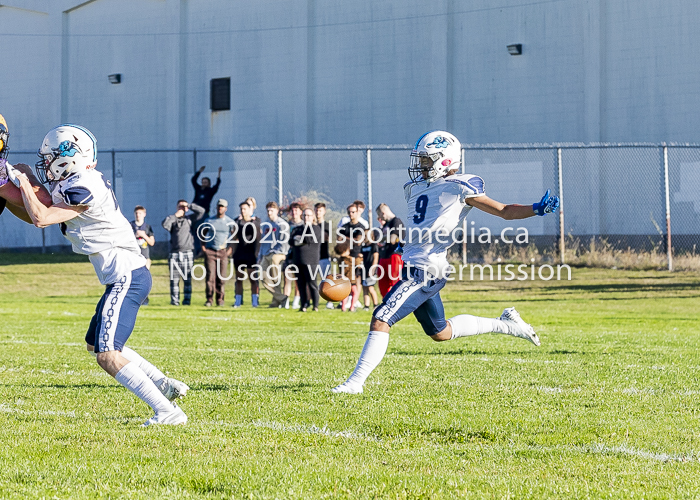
x,y
87,210
438,201
10,195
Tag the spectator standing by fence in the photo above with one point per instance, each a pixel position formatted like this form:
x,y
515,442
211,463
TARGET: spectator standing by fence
x,y
181,257
143,233
353,232
390,260
246,247
144,237
274,247
360,205
326,230
203,195
215,232
306,252
294,219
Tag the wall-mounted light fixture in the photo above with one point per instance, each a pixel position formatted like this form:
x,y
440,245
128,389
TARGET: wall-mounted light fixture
x,y
115,78
515,49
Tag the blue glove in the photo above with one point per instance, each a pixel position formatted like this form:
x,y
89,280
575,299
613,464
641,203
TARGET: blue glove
x,y
547,205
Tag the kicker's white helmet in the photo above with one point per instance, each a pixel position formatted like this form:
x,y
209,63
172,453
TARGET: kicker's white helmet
x,y
66,150
434,154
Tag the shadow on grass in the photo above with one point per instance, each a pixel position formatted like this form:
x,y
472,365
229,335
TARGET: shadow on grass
x,y
623,287
455,352
214,387
473,352
448,435
291,387
278,387
548,292
90,385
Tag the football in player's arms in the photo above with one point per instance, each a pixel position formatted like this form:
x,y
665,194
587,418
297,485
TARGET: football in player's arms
x,y
10,195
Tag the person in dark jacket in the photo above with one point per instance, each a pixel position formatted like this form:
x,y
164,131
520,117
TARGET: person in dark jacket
x,y
305,242
181,257
246,246
327,227
204,193
144,237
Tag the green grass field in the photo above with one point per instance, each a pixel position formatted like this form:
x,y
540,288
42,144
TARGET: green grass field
x,y
608,406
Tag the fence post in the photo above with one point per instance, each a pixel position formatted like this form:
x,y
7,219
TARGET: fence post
x,y
370,206
562,230
194,159
669,249
464,222
114,172
280,190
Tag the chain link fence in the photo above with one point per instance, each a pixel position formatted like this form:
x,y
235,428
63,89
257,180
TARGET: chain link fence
x,y
632,196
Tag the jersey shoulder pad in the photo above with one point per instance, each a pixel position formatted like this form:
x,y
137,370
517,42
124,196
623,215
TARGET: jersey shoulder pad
x,y
75,192
473,185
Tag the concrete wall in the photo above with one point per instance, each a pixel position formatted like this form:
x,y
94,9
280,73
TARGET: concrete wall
x,y
338,72
335,72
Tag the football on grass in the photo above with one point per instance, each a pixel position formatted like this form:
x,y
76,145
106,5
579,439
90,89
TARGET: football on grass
x,y
335,288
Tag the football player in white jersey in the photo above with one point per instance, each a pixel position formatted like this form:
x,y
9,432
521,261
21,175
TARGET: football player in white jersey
x,y
438,201
10,196
87,210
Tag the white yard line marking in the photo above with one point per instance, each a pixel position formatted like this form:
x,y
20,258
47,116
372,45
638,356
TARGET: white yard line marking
x,y
275,426
634,452
623,450
633,391
7,409
543,361
181,348
550,390
312,429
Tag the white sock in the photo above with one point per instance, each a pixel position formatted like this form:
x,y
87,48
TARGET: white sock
x,y
465,325
297,302
153,373
372,354
134,379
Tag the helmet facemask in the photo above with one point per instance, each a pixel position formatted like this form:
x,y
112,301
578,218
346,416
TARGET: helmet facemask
x,y
425,166
43,167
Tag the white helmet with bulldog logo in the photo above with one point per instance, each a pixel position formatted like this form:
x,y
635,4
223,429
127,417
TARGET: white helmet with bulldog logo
x,y
66,150
434,154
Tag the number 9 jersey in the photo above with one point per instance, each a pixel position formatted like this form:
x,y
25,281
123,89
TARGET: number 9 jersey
x,y
435,210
